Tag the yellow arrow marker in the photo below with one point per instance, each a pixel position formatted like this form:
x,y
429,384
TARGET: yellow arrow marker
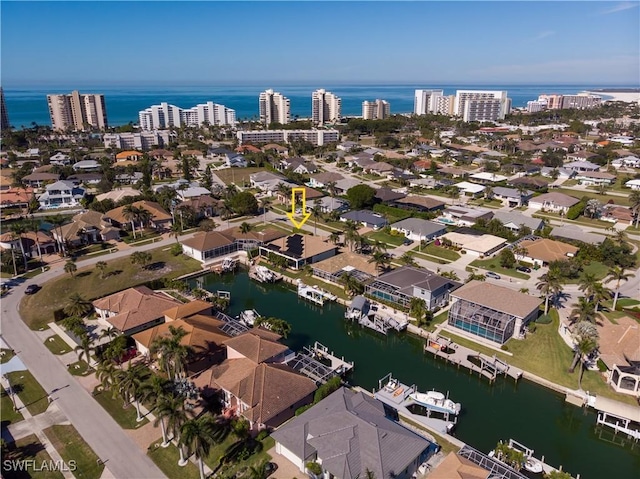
x,y
292,216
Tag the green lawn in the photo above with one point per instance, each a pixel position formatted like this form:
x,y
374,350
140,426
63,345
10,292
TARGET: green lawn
x,y
79,368
29,448
259,457
125,417
386,238
72,447
56,345
37,309
29,390
6,355
619,200
493,264
439,251
141,236
313,281
8,415
599,270
167,461
239,176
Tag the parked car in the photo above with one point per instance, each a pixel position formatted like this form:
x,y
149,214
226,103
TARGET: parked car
x,y
524,269
270,468
32,289
407,241
491,274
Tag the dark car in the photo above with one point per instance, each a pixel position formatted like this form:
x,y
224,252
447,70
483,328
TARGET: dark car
x,y
524,269
270,468
407,241
491,274
32,289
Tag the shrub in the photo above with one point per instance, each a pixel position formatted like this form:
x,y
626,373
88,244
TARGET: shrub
x,y
314,468
544,319
532,327
504,347
176,249
262,435
601,366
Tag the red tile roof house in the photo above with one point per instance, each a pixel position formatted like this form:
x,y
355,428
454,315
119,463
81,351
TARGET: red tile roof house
x,y
253,382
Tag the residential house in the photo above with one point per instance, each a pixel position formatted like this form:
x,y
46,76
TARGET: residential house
x,y
565,173
118,194
86,228
419,203
368,219
463,216
85,178
554,202
60,159
421,166
16,198
129,155
235,160
350,435
279,149
253,382
529,182
134,309
401,285
299,250
470,189
617,214
453,172
511,197
543,251
203,206
345,184
454,466
579,166
474,242
129,179
309,193
381,169
575,233
619,348
590,178
580,156
39,180
86,165
629,161
61,194
515,221
428,183
299,165
328,204
160,219
491,312
334,268
347,145
633,184
207,246
487,178
321,180
387,195
266,180
360,160
417,229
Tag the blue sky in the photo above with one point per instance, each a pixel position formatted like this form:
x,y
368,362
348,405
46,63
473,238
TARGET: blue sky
x,y
403,42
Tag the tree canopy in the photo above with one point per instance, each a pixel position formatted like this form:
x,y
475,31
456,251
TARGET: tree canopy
x,y
361,196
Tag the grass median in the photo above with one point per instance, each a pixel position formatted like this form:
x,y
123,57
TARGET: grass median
x,y
33,396
28,449
37,310
72,447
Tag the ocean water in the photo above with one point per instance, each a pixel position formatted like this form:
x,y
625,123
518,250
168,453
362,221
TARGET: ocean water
x,y
27,105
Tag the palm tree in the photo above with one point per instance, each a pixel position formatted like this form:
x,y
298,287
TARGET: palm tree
x,y
316,212
617,274
408,259
77,306
70,267
331,187
245,227
170,414
12,251
585,337
131,213
85,349
226,211
548,285
583,310
351,284
334,238
379,247
588,284
102,267
620,237
265,203
142,258
144,216
106,373
278,326
381,260
634,199
258,471
130,385
18,229
34,225
418,309
199,435
172,355
351,235
109,332
600,293
592,208
57,221
488,193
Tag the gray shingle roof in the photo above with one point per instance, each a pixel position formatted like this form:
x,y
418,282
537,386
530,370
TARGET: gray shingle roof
x,y
420,227
517,218
350,434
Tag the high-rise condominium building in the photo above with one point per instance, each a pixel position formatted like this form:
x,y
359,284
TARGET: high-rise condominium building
x,y
4,117
433,102
325,107
274,108
316,137
481,105
77,111
375,110
167,116
558,102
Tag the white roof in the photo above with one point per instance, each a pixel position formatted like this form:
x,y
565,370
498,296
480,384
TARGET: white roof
x,y
632,183
469,187
486,176
479,243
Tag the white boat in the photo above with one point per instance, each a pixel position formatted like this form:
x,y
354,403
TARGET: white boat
x,y
392,385
229,264
249,316
533,465
436,401
265,274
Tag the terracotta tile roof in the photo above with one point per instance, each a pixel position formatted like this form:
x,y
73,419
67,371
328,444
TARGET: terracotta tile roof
x,y
208,241
182,311
458,467
559,199
202,333
16,195
266,235
158,152
250,148
421,201
548,250
255,347
123,155
311,245
158,212
498,298
619,340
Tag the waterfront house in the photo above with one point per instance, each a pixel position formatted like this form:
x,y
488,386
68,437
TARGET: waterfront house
x,y
349,434
16,198
366,218
134,309
511,197
299,250
417,229
515,221
209,245
491,312
333,269
543,251
403,284
61,194
619,350
554,202
454,466
474,242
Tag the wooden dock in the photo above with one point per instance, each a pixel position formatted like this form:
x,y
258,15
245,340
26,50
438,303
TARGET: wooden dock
x,y
487,366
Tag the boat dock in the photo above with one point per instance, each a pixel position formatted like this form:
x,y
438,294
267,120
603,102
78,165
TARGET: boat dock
x,y
622,418
227,265
366,315
532,463
263,275
487,366
398,399
314,294
317,363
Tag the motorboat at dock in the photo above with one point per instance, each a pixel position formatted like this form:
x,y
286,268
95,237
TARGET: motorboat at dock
x,y
436,401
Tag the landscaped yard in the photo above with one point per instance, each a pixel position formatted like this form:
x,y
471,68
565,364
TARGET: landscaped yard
x,y
239,176
493,264
439,251
37,309
79,368
140,236
599,270
254,460
72,447
125,417
29,391
167,460
395,240
7,414
619,200
56,345
29,449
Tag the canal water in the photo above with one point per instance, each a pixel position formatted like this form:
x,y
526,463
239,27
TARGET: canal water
x,y
526,412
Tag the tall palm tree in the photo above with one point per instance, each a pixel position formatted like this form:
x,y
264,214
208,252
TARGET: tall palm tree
x,y
34,226
18,229
408,259
245,227
351,284
144,216
600,293
316,212
588,284
70,267
618,274
334,238
57,221
585,337
172,354
77,306
143,258
634,199
351,235
106,373
620,237
130,385
331,187
102,267
199,435
109,332
583,310
548,285
265,203
170,414
85,349
131,213
381,260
